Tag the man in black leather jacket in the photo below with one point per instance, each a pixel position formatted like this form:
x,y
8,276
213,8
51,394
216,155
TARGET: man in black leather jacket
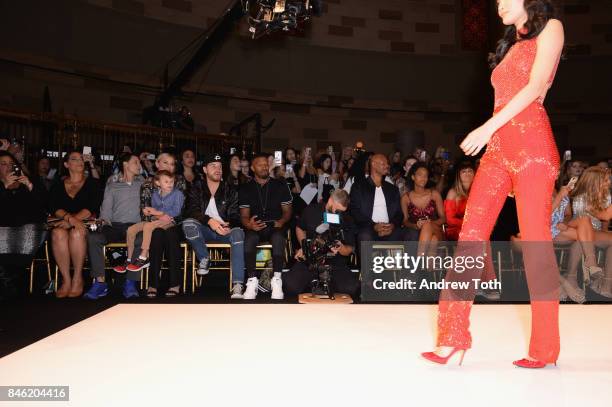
x,y
212,215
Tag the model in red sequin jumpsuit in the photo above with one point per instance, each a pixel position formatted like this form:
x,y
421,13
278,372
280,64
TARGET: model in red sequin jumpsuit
x,y
521,157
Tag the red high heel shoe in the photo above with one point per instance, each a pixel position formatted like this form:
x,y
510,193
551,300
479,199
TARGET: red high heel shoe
x,y
531,364
442,360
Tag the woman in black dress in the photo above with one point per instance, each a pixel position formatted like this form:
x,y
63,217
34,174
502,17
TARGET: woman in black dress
x,y
72,200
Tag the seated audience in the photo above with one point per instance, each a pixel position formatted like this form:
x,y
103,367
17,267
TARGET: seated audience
x,y
73,201
22,219
163,241
397,179
245,168
569,170
120,210
188,172
591,199
280,172
456,199
327,179
212,215
395,158
291,157
359,170
166,206
375,205
91,169
423,211
235,175
307,173
265,211
146,164
43,169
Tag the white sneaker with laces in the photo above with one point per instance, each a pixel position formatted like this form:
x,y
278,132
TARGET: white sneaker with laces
x,y
237,291
277,288
251,289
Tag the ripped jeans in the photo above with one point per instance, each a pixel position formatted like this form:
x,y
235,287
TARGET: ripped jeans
x,y
198,234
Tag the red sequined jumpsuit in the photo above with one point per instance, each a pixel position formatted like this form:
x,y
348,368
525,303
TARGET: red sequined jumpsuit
x,y
522,157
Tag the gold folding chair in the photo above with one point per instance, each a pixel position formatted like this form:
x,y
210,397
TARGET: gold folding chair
x,y
215,251
33,266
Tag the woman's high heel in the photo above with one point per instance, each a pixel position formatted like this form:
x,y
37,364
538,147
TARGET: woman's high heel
x,y
442,360
531,364
590,272
575,294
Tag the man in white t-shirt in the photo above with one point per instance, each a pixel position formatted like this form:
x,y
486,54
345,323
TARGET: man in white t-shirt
x,y
212,214
375,205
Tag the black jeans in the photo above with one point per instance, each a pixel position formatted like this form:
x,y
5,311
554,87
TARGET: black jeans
x,y
298,280
276,237
166,241
109,234
367,234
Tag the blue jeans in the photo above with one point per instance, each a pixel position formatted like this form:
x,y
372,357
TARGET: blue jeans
x,y
198,234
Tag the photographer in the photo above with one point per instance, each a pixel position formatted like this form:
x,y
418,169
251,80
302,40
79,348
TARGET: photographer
x,y
22,217
298,279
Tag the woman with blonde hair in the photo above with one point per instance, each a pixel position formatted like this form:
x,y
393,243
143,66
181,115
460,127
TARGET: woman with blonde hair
x,y
590,199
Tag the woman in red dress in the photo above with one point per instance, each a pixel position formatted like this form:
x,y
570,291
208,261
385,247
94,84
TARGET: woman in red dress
x,y
456,200
521,156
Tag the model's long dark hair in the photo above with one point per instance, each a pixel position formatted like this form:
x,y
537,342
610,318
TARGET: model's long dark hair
x,y
538,14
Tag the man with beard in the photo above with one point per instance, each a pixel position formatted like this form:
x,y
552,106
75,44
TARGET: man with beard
x,y
265,210
212,216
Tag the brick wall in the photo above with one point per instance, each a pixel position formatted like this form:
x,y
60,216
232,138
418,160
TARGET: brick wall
x,y
365,69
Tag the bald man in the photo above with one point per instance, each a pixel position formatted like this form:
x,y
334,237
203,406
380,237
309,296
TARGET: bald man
x,y
375,205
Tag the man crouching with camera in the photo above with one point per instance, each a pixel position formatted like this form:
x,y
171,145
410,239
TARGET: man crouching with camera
x,y
327,220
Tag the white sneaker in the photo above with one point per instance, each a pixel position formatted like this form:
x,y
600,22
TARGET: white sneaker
x,y
237,291
277,288
203,267
251,289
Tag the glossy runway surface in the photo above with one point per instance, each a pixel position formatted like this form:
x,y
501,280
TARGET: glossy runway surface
x,y
305,355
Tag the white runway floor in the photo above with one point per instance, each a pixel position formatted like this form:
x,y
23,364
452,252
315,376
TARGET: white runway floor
x,y
321,355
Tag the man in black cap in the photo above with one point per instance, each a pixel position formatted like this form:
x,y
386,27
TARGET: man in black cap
x,y
265,211
212,214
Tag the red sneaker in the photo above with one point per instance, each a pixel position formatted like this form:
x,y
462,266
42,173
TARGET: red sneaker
x,y
138,264
120,268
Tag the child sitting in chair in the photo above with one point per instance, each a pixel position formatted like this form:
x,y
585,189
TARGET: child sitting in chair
x,y
167,203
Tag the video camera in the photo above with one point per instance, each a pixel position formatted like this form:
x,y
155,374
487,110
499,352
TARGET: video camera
x,y
329,235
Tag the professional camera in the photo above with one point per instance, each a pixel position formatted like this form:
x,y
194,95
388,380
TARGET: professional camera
x,y
267,16
317,251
